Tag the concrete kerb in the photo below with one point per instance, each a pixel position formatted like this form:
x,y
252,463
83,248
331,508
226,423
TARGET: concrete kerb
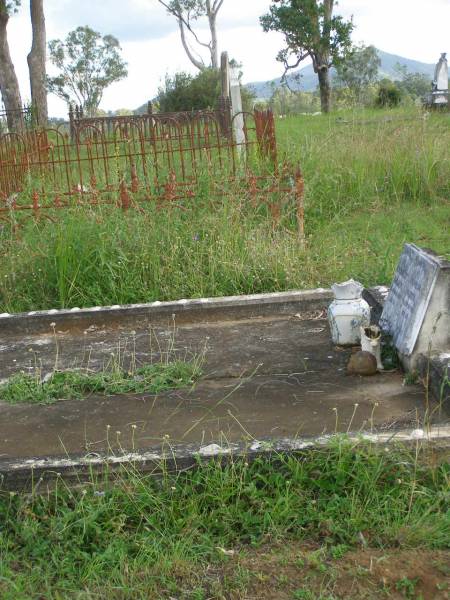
x,y
41,474
183,311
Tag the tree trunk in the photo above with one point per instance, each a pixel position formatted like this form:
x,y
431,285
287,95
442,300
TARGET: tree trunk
x,y
323,62
214,49
325,88
9,86
36,63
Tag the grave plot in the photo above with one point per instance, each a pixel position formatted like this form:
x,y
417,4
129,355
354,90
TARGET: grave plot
x,y
268,372
175,160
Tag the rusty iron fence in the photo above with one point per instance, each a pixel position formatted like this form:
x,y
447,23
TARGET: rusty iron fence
x,y
26,116
130,161
109,124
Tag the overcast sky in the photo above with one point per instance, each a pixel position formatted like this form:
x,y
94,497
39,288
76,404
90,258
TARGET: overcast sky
x,y
417,29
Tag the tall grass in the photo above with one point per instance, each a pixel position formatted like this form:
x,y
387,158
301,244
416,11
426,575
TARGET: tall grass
x,y
373,182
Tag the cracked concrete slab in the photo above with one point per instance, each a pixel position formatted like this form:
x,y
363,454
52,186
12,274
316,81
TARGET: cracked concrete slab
x,y
274,375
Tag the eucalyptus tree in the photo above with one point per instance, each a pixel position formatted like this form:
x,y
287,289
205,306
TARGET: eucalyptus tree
x,y
187,14
37,62
9,84
87,63
359,70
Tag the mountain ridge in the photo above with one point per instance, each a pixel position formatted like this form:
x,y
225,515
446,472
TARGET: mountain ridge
x,y
308,79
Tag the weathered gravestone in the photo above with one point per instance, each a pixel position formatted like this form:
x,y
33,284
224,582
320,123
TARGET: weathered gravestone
x,y
441,74
439,96
417,310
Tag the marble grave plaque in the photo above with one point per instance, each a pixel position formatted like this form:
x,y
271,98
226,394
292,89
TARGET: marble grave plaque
x,y
409,297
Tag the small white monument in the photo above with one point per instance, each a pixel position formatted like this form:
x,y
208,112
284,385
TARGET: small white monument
x,y
348,313
439,96
441,73
236,107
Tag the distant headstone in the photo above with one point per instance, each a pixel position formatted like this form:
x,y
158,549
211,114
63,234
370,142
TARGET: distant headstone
x,y
417,310
439,96
441,74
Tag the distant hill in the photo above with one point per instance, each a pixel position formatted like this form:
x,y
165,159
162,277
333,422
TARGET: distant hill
x,y
308,79
142,110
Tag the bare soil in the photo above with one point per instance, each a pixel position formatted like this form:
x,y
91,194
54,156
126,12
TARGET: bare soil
x,y
300,572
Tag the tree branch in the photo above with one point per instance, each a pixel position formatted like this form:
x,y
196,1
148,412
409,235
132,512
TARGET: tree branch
x,y
183,15
288,67
217,6
197,63
178,14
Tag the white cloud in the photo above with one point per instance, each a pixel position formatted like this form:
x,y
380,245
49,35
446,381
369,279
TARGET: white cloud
x,y
411,28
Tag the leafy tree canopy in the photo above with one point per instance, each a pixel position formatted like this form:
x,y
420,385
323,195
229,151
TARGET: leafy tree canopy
x,y
88,63
310,30
9,6
184,92
389,94
415,85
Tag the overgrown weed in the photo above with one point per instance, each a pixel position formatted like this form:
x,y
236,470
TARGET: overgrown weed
x,y
370,187
70,385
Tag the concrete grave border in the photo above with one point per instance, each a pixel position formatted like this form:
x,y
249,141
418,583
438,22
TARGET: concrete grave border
x,y
37,475
184,311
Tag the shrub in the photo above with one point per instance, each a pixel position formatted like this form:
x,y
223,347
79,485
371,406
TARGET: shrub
x,y
184,92
388,95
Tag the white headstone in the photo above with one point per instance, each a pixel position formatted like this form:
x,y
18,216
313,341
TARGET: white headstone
x,y
441,74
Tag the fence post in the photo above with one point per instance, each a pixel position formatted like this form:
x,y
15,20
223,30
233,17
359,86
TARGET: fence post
x,y
71,123
225,71
125,200
224,101
134,179
35,198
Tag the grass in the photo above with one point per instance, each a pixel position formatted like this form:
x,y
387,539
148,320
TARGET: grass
x,y
70,385
374,180
147,537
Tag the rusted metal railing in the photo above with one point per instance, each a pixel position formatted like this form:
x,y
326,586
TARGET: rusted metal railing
x,y
129,161
108,124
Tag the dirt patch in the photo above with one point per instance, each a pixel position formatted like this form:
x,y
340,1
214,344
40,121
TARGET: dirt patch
x,y
298,572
